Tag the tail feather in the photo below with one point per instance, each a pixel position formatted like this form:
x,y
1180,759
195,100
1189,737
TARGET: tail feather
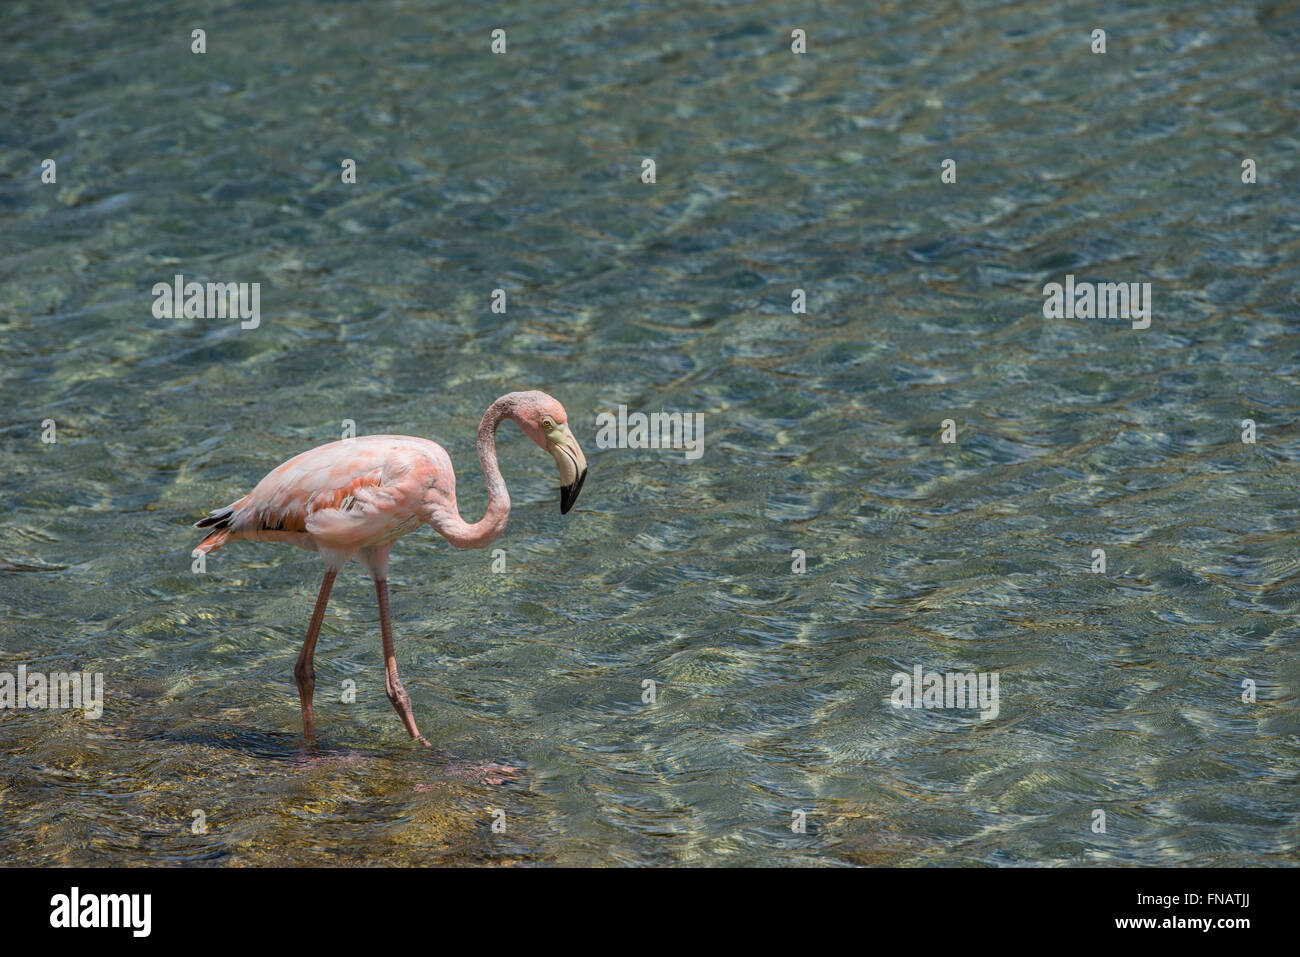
x,y
214,541
220,520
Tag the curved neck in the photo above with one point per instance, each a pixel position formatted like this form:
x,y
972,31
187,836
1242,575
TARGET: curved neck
x,y
484,532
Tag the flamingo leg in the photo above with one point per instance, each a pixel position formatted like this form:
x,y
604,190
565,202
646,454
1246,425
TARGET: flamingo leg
x,y
304,671
393,684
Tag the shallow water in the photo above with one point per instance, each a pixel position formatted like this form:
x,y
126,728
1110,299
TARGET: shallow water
x,y
1119,692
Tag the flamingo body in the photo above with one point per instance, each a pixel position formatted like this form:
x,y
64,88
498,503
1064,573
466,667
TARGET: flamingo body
x,y
344,497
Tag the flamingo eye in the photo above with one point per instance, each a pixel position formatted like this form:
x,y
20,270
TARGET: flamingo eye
x,y
548,424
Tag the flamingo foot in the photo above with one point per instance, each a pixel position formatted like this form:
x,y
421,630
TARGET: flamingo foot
x,y
491,773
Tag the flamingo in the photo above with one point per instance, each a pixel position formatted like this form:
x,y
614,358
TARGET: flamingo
x,y
358,496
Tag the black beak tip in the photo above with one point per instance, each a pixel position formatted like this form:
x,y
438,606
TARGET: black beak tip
x,y
569,493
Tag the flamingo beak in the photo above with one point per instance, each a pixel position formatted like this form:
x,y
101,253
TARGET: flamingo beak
x,y
571,462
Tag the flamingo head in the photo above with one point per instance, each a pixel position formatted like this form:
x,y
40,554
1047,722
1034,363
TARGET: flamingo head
x,y
544,421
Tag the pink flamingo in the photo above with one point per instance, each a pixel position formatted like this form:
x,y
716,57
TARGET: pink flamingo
x,y
358,496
